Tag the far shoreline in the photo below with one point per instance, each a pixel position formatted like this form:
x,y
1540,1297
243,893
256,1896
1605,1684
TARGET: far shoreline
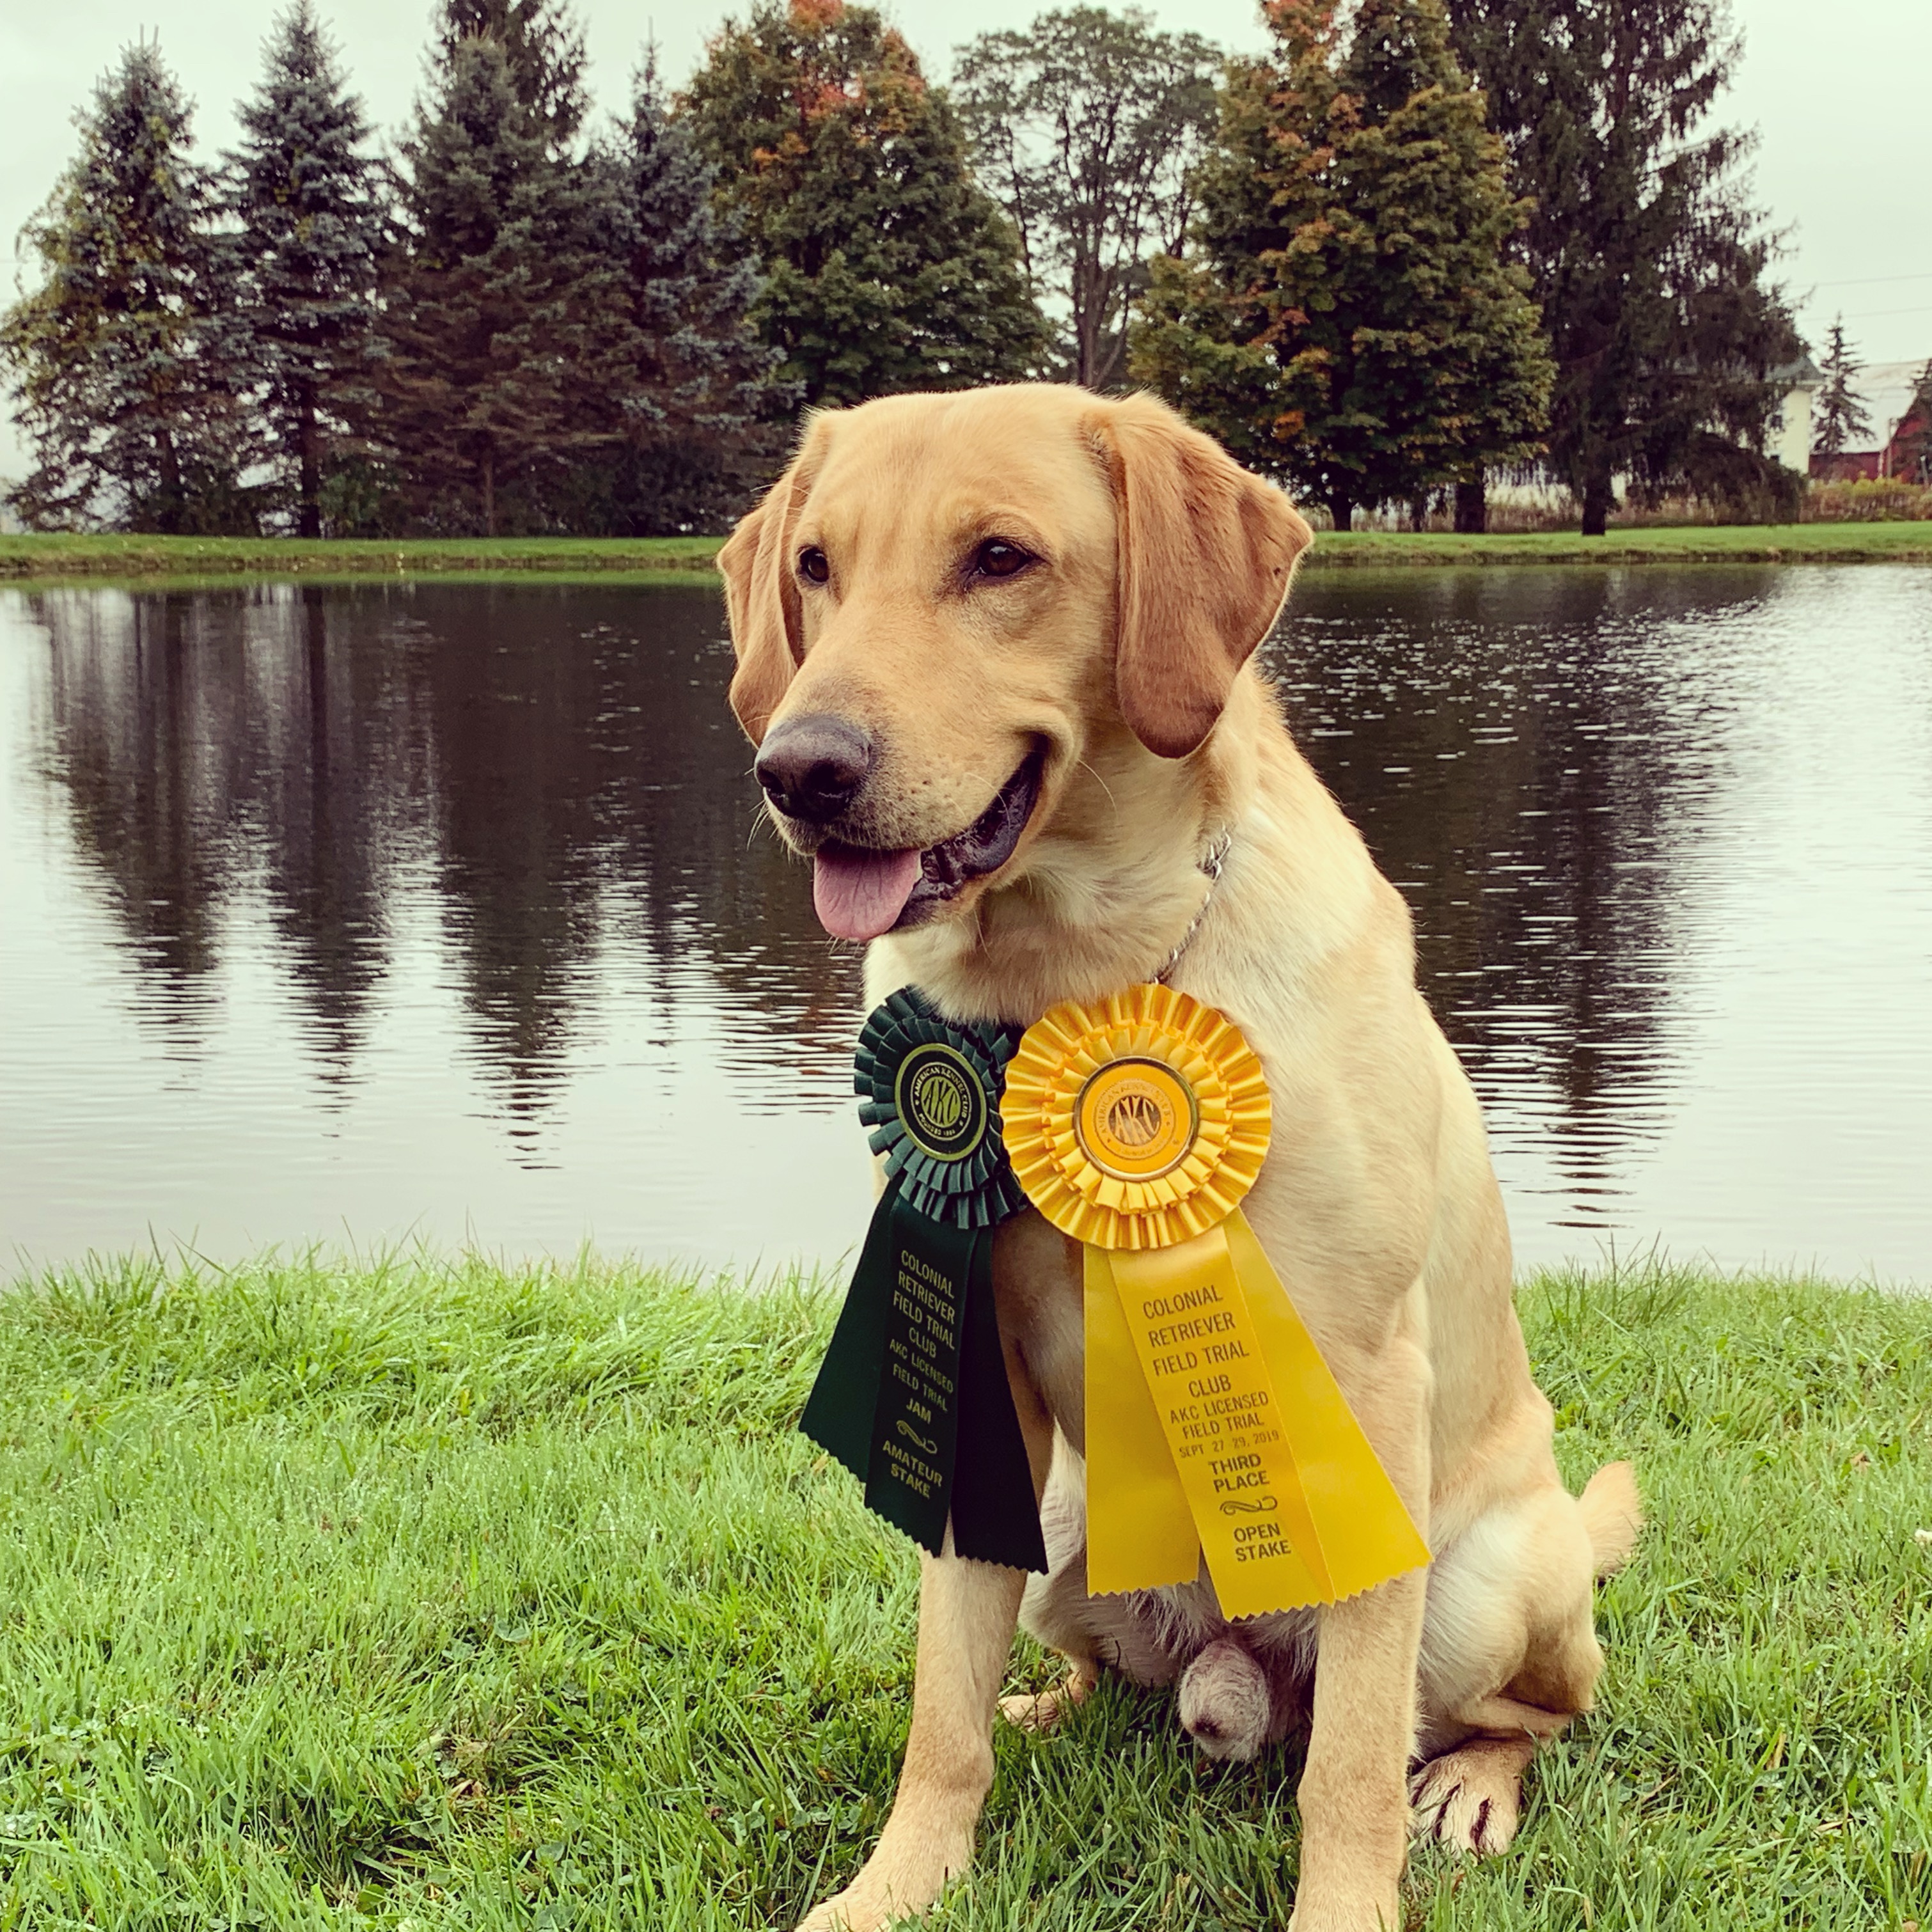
x,y
53,560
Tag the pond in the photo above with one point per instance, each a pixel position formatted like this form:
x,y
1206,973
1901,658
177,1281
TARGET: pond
x,y
443,911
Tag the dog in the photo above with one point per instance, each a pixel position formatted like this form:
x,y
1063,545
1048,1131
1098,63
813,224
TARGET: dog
x,y
993,648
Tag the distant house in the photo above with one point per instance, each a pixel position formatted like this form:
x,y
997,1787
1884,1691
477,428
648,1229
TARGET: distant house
x,y
1790,440
1886,390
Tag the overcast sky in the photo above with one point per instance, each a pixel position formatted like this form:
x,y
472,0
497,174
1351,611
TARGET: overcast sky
x,y
1838,93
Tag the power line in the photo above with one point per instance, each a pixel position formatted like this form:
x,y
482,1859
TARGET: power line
x,y
1868,281
1878,314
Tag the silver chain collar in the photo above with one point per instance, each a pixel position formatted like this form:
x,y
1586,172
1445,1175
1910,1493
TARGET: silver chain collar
x,y
1211,863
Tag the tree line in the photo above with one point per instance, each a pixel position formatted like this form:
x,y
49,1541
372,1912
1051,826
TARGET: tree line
x,y
1414,242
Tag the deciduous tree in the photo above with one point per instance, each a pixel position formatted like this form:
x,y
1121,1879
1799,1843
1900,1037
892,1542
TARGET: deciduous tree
x,y
305,196
1088,125
1647,260
1345,319
889,267
124,375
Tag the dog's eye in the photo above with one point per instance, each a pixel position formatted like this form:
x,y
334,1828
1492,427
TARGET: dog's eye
x,y
996,557
814,564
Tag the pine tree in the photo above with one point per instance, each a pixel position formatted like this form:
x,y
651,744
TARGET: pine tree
x,y
543,45
1840,421
122,361
889,267
1648,263
697,385
1345,319
500,329
307,254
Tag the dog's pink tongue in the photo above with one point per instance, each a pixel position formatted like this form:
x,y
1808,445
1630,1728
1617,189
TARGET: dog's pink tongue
x,y
860,894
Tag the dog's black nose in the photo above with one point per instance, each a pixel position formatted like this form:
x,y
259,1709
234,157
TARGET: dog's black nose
x,y
811,768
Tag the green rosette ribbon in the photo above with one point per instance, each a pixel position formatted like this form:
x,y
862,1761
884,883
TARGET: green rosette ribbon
x,y
912,1396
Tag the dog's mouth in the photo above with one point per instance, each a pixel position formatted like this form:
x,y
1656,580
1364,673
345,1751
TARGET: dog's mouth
x,y
860,891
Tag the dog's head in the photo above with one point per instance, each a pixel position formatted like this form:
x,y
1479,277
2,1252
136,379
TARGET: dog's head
x,y
947,599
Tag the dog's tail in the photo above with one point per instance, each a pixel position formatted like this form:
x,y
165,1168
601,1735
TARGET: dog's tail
x,y
1612,1515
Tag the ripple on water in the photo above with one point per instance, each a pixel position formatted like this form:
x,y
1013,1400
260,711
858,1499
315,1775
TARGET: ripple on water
x,y
446,908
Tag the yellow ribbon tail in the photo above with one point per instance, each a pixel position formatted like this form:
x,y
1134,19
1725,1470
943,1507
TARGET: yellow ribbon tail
x,y
1140,1534
1214,1428
1365,1534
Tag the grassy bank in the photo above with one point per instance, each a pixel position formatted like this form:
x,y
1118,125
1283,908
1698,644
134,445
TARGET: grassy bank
x,y
443,1597
212,558
1742,543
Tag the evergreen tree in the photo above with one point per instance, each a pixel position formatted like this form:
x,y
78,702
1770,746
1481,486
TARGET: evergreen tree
x,y
1088,125
889,267
1647,260
1345,319
310,236
500,330
543,46
697,386
121,361
1839,421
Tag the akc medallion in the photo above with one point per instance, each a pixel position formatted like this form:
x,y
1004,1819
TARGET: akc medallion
x,y
941,1101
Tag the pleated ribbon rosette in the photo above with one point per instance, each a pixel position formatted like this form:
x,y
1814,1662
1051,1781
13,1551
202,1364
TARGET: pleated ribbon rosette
x,y
1214,1429
912,1396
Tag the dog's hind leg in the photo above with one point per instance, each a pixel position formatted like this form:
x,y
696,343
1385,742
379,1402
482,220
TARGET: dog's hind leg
x,y
1509,1650
1092,1633
1055,1609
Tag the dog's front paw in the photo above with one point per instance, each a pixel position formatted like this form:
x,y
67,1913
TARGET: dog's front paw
x,y
842,1913
902,1880
1340,1916
851,1911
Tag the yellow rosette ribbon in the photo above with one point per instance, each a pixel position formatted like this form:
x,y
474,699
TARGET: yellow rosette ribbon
x,y
1213,1426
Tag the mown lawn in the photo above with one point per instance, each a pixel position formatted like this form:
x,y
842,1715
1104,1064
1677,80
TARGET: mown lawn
x,y
1735,543
198,560
431,1594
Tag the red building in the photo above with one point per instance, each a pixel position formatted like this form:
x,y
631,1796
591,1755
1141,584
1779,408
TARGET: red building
x,y
1901,432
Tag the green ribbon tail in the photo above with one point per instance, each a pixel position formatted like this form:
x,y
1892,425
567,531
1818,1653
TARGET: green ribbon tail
x,y
839,1411
995,1515
912,1397
916,1423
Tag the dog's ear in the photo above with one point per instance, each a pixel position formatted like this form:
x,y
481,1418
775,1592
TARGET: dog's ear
x,y
1206,552
761,593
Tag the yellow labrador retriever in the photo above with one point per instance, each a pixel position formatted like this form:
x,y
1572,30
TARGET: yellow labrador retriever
x,y
993,648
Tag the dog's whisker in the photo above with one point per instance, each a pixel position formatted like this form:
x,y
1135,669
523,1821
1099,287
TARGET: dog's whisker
x,y
1100,781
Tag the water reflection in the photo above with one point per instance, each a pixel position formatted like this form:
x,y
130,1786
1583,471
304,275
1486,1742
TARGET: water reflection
x,y
1528,762
559,775
446,906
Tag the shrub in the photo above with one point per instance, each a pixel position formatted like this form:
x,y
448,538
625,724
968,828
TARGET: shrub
x,y
1887,499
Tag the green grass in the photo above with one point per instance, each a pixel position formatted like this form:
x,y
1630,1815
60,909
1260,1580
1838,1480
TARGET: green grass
x,y
433,1595
187,561
1737,543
